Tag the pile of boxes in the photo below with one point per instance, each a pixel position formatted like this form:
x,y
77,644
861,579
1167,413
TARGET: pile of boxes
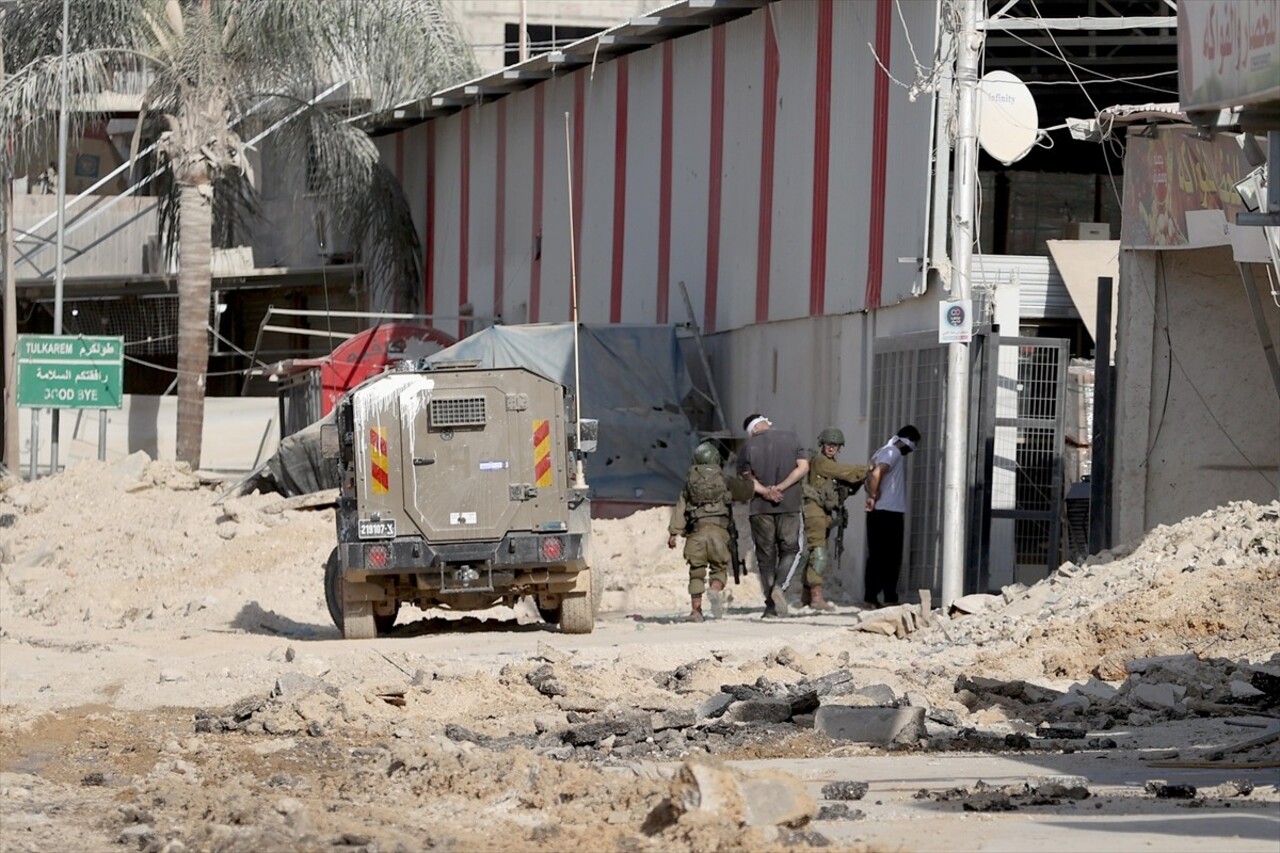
x,y
1078,427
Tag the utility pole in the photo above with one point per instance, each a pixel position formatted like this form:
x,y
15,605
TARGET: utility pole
x,y
524,31
10,339
60,269
956,427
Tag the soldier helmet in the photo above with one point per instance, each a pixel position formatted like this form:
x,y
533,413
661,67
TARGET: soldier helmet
x,y
706,454
831,435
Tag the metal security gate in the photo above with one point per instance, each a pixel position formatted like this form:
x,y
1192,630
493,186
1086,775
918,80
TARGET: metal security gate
x,y
1016,518
909,387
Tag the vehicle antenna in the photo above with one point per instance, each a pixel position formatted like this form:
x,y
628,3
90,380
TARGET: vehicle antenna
x,y
579,471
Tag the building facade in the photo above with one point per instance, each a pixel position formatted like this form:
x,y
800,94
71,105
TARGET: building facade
x,y
762,163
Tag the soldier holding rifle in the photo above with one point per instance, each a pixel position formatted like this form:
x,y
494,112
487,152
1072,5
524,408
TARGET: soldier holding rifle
x,y
826,487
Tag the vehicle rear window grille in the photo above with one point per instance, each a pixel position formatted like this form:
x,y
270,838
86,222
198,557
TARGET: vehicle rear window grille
x,y
464,411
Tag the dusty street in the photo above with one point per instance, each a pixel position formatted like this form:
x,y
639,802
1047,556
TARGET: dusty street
x,y
170,680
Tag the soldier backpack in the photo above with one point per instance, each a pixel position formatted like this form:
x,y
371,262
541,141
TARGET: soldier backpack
x,y
705,485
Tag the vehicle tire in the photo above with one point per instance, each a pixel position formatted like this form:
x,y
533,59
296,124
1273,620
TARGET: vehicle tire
x,y
333,588
550,615
358,620
577,612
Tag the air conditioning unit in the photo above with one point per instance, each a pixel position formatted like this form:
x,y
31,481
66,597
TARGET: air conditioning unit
x,y
1087,231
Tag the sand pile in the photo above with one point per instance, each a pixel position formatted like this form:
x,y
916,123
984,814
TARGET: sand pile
x,y
642,574
1208,585
142,543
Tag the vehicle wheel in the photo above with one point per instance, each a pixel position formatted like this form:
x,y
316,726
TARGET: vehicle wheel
x,y
358,620
550,615
333,588
577,614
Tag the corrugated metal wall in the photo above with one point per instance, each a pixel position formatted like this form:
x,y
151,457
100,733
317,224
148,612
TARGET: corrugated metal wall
x,y
807,213
1042,294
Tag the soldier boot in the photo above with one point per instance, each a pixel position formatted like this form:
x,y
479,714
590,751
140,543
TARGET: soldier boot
x,y
817,602
695,609
716,594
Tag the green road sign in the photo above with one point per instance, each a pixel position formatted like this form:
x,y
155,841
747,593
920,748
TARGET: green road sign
x,y
65,372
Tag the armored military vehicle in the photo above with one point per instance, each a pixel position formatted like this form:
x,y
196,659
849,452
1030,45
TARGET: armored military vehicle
x,y
458,490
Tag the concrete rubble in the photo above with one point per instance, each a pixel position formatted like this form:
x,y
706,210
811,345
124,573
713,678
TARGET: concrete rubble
x,y
235,720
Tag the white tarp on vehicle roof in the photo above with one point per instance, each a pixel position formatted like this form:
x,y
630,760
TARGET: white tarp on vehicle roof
x,y
634,381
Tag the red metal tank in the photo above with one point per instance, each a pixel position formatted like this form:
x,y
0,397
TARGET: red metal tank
x,y
310,388
371,352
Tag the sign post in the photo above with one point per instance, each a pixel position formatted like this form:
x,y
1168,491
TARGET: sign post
x,y
61,372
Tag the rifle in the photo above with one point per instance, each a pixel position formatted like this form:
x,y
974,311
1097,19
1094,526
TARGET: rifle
x,y
840,517
735,559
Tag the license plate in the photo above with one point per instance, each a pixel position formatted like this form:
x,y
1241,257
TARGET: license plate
x,y
369,529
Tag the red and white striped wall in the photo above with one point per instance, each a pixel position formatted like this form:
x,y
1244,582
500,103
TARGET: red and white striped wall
x,y
767,163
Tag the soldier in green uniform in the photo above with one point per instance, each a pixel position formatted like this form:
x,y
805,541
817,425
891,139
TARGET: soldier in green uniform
x,y
825,488
703,515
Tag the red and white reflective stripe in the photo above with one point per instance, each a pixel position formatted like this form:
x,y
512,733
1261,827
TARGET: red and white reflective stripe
x,y
379,472
542,453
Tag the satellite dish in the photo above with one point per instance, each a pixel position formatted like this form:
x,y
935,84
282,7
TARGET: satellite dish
x,y
1008,121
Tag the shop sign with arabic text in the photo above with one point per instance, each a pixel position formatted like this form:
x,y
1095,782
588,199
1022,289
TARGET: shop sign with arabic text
x,y
1228,53
1173,172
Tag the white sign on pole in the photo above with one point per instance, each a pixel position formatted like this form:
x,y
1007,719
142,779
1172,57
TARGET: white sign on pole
x,y
955,321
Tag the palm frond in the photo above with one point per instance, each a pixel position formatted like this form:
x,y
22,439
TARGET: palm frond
x,y
33,28
391,50
360,197
30,98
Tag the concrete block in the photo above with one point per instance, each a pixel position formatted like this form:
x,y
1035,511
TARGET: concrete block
x,y
1143,664
1071,702
975,603
804,703
881,694
1095,690
830,682
1062,787
1242,690
674,719
763,798
870,725
295,685
714,706
761,711
130,469
1157,697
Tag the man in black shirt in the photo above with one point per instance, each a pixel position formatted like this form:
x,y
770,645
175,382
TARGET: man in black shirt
x,y
777,464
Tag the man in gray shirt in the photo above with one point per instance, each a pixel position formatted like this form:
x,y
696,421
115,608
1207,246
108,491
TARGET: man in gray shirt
x,y
777,464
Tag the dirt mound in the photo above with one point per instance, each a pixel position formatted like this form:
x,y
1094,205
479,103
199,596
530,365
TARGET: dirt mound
x,y
1208,585
144,544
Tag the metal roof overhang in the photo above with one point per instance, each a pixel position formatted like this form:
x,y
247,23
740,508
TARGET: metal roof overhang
x,y
152,284
668,22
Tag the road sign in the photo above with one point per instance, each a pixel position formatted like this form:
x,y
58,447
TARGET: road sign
x,y
65,372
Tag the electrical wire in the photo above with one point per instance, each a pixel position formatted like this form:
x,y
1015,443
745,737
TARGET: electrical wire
x,y
1061,56
174,370
1173,359
926,79
1101,77
1168,379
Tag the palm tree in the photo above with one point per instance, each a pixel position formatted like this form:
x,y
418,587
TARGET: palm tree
x,y
218,70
